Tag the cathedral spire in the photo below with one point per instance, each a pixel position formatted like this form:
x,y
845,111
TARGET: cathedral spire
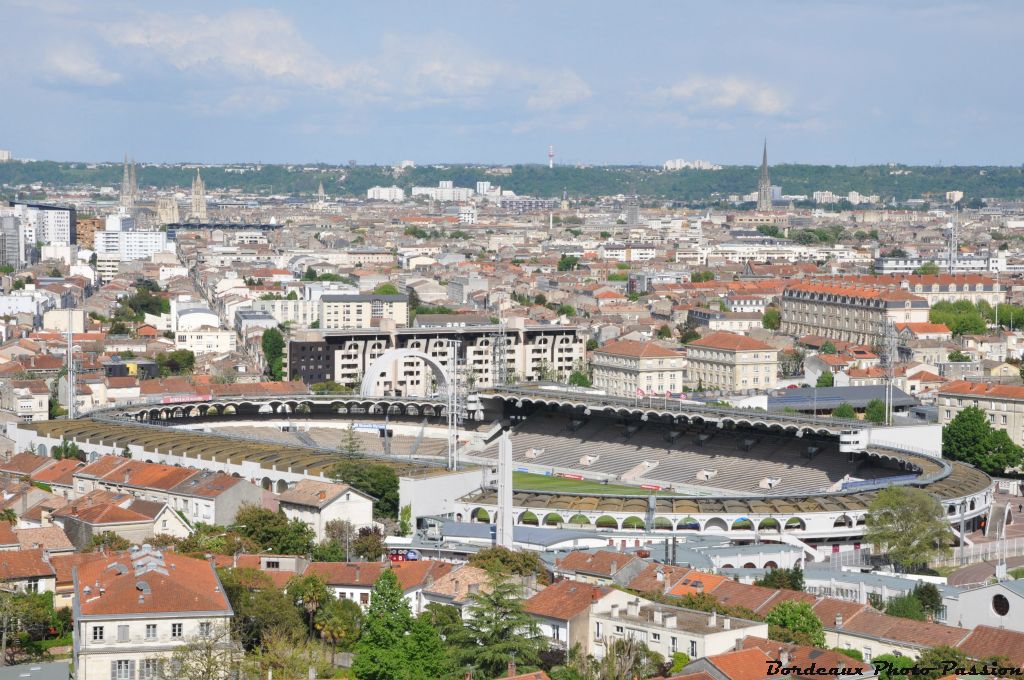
x,y
764,186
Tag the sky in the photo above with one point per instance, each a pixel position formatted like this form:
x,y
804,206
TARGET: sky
x,y
825,82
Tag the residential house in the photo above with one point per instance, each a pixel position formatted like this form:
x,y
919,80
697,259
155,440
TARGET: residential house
x,y
732,363
27,571
317,503
626,369
601,567
563,610
133,519
354,580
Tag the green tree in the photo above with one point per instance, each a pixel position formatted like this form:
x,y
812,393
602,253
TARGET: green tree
x,y
425,654
592,345
928,269
905,607
889,666
374,479
700,277
272,344
940,662
446,618
499,630
875,411
388,619
566,310
665,332
958,356
826,379
369,544
176,362
828,348
109,541
211,657
289,656
580,379
771,319
540,299
501,560
795,622
929,597
969,437
273,531
567,263
909,525
261,609
405,520
787,579
844,410
310,593
339,622
386,289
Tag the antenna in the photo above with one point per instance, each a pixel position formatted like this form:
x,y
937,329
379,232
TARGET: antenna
x,y
551,156
954,239
71,368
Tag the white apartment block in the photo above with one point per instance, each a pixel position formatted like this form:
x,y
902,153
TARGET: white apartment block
x,y
627,252
50,225
445,191
357,311
206,340
345,356
130,245
392,193
847,312
133,609
625,369
732,363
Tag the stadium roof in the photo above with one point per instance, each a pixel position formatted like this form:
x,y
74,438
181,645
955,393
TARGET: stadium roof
x,y
827,398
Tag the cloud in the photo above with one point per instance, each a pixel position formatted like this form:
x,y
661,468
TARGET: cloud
x,y
79,66
727,93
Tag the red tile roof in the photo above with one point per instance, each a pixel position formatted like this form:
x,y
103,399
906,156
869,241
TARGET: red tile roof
x,y
601,563
729,341
564,600
25,463
985,641
22,564
973,389
410,574
58,473
745,664
630,348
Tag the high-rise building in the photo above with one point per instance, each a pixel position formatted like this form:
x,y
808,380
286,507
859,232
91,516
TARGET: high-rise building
x,y
129,185
198,212
12,245
633,211
764,186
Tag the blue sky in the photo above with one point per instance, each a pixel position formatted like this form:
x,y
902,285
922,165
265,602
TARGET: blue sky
x,y
604,82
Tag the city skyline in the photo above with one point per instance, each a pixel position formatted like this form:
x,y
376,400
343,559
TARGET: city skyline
x,y
260,82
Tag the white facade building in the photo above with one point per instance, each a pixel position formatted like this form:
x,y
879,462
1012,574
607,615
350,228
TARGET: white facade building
x,y
393,194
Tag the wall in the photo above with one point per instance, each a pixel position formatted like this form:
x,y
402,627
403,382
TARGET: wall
x,y
920,438
437,494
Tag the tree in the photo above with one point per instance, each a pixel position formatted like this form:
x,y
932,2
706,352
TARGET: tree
x,y
889,666
339,622
211,657
958,356
700,277
909,525
875,411
9,515
374,479
310,593
844,410
580,379
261,609
289,656
940,661
969,437
388,619
929,597
787,579
447,619
826,379
540,299
928,269
771,319
351,446
176,362
386,289
566,310
665,332
591,345
905,607
425,653
369,544
405,520
828,348
501,560
567,263
795,622
499,630
109,541
625,659
272,344
273,531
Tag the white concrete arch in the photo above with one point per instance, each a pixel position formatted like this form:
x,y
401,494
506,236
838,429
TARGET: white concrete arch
x,y
384,362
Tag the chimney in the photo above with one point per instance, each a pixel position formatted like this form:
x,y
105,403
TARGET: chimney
x,y
783,656
713,619
669,620
726,623
633,607
322,495
614,567
839,619
615,610
357,572
659,574
512,667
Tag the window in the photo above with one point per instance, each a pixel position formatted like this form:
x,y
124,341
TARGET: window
x,y
273,564
121,670
176,630
97,633
122,633
598,630
150,631
1000,605
364,598
693,649
32,586
618,630
205,628
656,637
867,655
673,644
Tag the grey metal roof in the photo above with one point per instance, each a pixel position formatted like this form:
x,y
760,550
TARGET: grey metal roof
x,y
544,536
36,671
806,398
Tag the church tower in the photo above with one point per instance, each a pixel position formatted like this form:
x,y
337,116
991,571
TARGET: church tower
x,y
198,212
129,185
764,186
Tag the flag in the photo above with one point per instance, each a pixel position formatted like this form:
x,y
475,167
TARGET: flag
x,y
639,392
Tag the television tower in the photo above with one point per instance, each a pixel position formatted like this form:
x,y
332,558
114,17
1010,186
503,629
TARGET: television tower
x,y
551,157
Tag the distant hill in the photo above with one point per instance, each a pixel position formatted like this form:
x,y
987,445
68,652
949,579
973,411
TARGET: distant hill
x,y
900,182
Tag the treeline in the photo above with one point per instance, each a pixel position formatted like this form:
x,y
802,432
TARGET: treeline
x,y
898,183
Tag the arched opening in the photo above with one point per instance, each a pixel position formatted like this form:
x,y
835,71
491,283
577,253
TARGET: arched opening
x,y
662,524
282,486
552,519
743,523
579,519
235,474
770,565
688,523
972,504
528,518
728,566
633,522
606,522
480,515
843,522
749,565
229,410
951,509
41,449
265,409
794,523
389,358
266,483
716,524
768,524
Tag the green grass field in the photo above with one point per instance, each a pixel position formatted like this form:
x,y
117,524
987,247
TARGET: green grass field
x,y
527,481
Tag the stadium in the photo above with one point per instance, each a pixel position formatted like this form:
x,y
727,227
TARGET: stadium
x,y
616,466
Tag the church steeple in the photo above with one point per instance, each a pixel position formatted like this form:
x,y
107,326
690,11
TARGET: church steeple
x,y
764,186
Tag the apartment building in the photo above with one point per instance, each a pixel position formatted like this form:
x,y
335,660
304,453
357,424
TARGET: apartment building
x,y
206,340
627,252
734,322
1002,404
357,311
532,353
28,400
626,368
733,363
846,312
133,610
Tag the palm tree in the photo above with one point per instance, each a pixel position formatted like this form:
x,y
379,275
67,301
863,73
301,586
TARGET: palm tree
x,y
9,516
